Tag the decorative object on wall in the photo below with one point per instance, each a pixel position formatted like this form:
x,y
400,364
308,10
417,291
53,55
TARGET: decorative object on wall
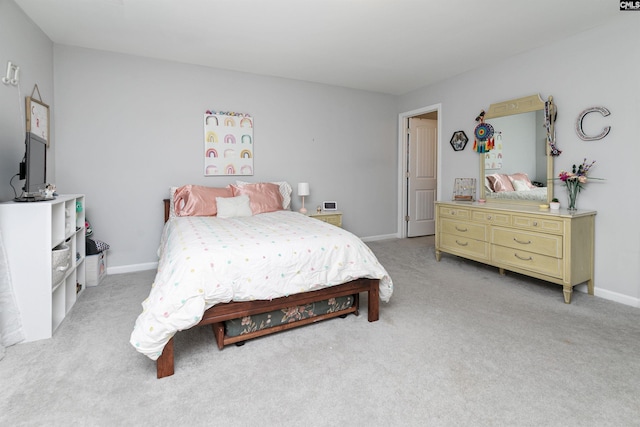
x,y
37,114
464,189
459,140
550,116
605,131
303,190
493,158
228,143
12,78
483,135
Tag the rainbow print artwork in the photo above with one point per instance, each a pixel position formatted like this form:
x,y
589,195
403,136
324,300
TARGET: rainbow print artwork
x,y
228,143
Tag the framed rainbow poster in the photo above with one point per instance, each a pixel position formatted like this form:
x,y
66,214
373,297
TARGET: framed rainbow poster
x,y
228,143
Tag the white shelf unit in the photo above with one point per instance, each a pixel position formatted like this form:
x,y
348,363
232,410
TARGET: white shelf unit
x,y
30,231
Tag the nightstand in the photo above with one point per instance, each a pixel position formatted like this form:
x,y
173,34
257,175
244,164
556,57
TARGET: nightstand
x,y
332,217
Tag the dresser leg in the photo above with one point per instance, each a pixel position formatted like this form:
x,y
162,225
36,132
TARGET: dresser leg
x,y
438,255
501,271
590,286
567,290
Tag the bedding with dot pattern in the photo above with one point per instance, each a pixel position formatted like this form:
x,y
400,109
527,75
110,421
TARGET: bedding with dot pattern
x,y
209,260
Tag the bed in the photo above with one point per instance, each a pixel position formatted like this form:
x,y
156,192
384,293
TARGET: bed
x,y
516,186
228,271
538,194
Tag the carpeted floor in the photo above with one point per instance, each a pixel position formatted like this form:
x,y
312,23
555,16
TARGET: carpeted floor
x,y
457,345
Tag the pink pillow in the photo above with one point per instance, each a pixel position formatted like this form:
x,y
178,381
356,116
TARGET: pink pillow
x,y
521,177
263,196
500,182
197,200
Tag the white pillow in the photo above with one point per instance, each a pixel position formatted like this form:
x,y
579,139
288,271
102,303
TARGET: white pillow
x,y
520,185
285,190
172,208
231,207
487,185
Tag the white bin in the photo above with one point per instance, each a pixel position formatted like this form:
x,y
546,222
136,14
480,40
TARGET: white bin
x,y
60,263
96,268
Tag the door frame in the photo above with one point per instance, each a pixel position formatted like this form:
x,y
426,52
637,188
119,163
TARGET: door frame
x,y
402,161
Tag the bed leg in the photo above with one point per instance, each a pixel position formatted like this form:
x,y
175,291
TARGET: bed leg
x,y
218,333
374,301
356,303
164,364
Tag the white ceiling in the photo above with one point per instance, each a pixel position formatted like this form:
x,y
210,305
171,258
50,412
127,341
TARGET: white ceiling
x,y
388,46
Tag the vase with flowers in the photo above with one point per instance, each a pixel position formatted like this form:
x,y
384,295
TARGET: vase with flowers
x,y
575,181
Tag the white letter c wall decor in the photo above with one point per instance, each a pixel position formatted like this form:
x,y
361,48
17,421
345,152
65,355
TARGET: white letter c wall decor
x,y
605,131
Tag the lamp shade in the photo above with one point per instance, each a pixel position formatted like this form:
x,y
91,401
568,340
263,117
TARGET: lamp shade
x,y
303,189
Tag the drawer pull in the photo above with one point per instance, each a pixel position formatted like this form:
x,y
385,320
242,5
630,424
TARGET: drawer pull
x,y
464,230
523,259
462,244
489,217
535,223
522,243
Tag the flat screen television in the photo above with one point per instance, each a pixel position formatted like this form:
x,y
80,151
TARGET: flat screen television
x,y
33,169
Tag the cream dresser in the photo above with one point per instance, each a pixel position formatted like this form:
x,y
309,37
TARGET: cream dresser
x,y
555,246
332,217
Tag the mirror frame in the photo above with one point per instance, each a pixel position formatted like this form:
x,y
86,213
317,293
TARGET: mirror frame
x,y
510,108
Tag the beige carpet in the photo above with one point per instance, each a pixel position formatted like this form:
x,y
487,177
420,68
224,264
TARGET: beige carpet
x,y
457,345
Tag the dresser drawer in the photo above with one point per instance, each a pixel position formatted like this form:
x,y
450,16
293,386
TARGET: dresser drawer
x,y
331,218
495,218
540,243
454,212
549,266
464,229
538,224
464,246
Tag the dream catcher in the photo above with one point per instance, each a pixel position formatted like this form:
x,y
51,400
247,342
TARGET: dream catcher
x,y
483,135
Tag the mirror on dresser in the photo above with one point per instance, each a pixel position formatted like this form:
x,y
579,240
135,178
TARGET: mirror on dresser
x,y
520,167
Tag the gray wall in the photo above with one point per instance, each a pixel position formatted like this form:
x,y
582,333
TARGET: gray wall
x,y
127,128
130,127
599,67
25,45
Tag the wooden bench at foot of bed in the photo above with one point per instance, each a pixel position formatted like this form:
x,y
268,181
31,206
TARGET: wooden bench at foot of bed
x,y
219,313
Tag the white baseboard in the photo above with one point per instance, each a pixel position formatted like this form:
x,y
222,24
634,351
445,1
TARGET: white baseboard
x,y
381,237
132,268
610,295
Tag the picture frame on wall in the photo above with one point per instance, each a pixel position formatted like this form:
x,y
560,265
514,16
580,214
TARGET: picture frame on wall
x,y
459,140
228,143
37,114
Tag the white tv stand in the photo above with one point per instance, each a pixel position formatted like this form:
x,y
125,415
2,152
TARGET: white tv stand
x,y
30,231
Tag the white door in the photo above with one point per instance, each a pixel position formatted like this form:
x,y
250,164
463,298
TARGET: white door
x,y
421,176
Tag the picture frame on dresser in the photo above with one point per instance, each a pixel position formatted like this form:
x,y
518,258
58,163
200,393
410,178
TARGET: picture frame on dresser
x,y
329,206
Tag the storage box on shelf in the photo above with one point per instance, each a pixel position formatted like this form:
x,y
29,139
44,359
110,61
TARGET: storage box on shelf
x,y
45,246
96,268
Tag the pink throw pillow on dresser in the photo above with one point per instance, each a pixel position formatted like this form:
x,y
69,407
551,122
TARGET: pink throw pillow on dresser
x,y
500,182
198,200
263,196
520,176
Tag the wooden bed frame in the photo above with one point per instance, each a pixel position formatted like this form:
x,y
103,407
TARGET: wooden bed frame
x,y
219,313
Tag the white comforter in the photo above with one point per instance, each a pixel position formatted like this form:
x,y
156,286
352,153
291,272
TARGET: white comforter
x,y
537,193
207,260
